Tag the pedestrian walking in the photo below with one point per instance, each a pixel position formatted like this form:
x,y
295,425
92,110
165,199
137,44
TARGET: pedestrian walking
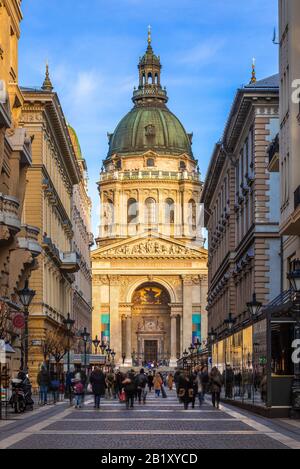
x,y
150,381
43,380
54,386
176,379
228,379
69,384
215,380
97,380
157,383
141,382
78,392
110,378
170,381
130,389
186,389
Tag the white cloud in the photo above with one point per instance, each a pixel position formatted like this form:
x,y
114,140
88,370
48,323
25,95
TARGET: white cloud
x,y
202,53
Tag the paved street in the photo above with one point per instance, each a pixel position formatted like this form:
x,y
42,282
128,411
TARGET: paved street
x,y
161,423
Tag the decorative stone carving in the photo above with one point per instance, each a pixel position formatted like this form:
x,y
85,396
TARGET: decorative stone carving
x,y
151,248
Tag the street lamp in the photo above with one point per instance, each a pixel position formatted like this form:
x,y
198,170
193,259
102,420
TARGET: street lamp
x,y
96,343
123,357
254,306
229,322
26,296
69,323
103,347
294,277
85,335
185,355
212,335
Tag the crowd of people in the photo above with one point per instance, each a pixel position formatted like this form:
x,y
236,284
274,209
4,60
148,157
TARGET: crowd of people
x,y
132,387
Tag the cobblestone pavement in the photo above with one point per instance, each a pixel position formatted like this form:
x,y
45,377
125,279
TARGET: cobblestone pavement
x,y
161,423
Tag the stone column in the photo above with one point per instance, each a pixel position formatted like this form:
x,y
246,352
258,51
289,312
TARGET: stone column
x,y
128,360
187,285
173,359
115,319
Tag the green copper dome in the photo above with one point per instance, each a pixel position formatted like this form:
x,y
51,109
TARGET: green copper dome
x,y
150,125
150,128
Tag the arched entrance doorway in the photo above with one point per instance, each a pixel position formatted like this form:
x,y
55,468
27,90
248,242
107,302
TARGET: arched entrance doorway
x,y
151,323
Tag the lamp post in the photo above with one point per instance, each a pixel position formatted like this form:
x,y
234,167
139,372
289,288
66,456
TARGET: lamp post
x,y
113,354
185,355
229,322
85,335
254,307
103,347
69,323
26,296
294,278
96,343
211,338
123,357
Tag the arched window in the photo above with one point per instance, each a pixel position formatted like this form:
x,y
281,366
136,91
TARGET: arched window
x,y
182,165
192,215
169,212
149,78
156,79
150,162
108,215
150,211
132,211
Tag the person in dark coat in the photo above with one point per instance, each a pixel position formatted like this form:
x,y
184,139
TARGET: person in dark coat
x,y
129,388
97,380
43,380
186,389
215,380
228,379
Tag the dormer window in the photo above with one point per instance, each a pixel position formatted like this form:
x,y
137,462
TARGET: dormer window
x,y
150,162
182,165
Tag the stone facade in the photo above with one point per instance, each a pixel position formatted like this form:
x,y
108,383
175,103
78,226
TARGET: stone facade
x,y
149,268
289,141
19,245
82,241
48,205
241,207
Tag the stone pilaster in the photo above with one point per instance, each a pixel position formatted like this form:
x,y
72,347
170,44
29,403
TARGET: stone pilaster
x,y
187,285
115,319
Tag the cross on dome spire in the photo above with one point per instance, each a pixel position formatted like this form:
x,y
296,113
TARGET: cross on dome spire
x,y
149,35
253,75
47,85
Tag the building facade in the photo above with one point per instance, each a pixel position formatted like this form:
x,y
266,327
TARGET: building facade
x,y
19,245
242,215
82,241
149,269
48,204
289,140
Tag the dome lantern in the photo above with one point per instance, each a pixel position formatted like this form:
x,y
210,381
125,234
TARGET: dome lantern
x,y
149,78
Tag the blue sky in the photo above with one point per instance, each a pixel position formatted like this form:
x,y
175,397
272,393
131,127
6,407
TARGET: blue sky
x,y
93,47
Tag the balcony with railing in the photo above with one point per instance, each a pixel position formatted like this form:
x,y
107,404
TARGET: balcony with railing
x,y
10,222
150,174
28,239
68,262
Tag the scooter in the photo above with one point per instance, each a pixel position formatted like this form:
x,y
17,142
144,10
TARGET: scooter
x,y
21,395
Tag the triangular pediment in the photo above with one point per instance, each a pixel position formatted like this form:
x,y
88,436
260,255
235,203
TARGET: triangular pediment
x,y
149,246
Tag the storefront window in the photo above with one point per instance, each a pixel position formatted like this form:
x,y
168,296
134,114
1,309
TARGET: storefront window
x,y
282,335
